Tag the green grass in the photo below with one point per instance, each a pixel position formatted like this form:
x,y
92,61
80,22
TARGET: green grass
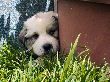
x,y
17,66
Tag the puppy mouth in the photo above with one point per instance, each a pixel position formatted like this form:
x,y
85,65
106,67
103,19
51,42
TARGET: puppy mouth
x,y
44,54
49,52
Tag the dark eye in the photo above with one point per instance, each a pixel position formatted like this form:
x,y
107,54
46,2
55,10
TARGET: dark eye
x,y
35,36
51,32
25,38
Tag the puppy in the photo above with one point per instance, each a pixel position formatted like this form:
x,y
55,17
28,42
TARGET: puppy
x,y
40,33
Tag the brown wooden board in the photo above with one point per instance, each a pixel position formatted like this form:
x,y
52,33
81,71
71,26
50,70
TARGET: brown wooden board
x,y
99,1
92,20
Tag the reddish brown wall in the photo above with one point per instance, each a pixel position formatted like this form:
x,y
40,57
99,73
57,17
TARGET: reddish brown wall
x,y
98,1
92,21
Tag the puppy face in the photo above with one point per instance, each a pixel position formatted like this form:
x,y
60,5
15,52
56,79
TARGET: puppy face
x,y
40,32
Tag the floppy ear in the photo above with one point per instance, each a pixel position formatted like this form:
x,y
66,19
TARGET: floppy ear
x,y
55,15
22,34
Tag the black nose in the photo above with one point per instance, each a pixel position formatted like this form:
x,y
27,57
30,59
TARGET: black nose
x,y
47,48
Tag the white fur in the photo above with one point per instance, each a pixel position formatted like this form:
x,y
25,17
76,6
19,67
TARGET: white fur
x,y
39,23
43,39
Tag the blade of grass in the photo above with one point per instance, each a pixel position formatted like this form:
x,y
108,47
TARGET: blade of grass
x,y
44,72
72,52
82,52
68,44
84,78
58,62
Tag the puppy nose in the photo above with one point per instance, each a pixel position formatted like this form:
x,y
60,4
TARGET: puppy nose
x,y
47,47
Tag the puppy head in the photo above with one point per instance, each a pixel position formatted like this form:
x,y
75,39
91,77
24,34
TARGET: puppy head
x,y
40,32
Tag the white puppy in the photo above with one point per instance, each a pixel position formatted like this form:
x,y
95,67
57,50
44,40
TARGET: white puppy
x,y
40,32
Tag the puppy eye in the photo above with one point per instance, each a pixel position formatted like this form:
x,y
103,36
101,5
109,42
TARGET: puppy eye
x,y
25,38
51,32
35,36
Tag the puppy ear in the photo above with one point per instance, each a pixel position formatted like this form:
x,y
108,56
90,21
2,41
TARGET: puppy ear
x,y
22,34
55,15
